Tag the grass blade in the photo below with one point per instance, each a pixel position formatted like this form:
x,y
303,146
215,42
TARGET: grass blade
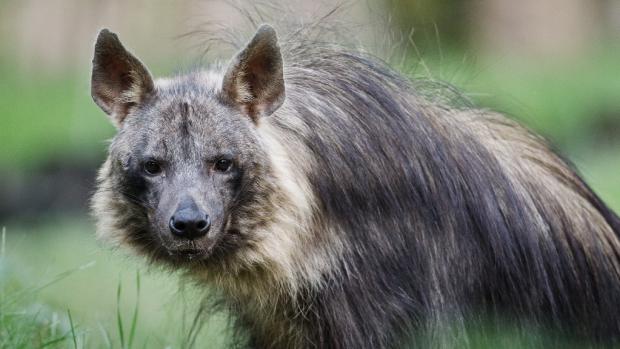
x,y
134,319
29,292
72,329
119,317
53,341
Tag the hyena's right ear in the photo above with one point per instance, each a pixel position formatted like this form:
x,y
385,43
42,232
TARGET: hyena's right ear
x,y
119,80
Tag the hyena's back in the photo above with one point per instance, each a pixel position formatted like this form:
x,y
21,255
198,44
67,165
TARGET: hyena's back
x,y
442,213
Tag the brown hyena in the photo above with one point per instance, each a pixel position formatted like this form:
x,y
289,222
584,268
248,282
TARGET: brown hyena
x,y
332,206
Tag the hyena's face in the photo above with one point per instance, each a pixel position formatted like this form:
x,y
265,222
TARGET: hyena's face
x,y
186,165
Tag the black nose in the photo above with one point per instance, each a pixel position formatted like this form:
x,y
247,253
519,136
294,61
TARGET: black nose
x,y
190,223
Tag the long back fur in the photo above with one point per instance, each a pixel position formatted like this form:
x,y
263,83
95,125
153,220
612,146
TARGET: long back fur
x,y
418,217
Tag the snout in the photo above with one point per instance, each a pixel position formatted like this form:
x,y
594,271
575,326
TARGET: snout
x,y
189,221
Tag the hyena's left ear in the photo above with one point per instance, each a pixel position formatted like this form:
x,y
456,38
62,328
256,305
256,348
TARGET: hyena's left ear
x,y
119,80
254,81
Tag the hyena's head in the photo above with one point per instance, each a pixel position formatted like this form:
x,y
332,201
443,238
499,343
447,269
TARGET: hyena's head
x,y
187,178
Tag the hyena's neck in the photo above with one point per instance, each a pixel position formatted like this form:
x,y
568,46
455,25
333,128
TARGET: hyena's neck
x,y
296,245
276,322
297,255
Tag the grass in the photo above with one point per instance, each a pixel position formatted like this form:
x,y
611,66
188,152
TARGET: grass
x,y
26,323
104,302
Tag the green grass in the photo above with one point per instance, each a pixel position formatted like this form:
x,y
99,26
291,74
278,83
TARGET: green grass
x,y
59,289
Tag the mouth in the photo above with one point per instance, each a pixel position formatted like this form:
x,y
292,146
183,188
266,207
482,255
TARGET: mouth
x,y
188,254
199,250
190,249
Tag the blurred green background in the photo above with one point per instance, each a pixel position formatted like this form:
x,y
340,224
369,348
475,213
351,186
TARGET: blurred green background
x,y
553,64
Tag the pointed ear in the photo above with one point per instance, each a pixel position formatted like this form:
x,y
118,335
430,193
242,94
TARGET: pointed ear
x,y
254,81
119,80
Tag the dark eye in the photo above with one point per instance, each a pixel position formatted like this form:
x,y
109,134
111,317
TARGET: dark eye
x,y
223,165
152,167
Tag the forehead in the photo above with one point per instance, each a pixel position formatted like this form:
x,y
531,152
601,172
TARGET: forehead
x,y
186,119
